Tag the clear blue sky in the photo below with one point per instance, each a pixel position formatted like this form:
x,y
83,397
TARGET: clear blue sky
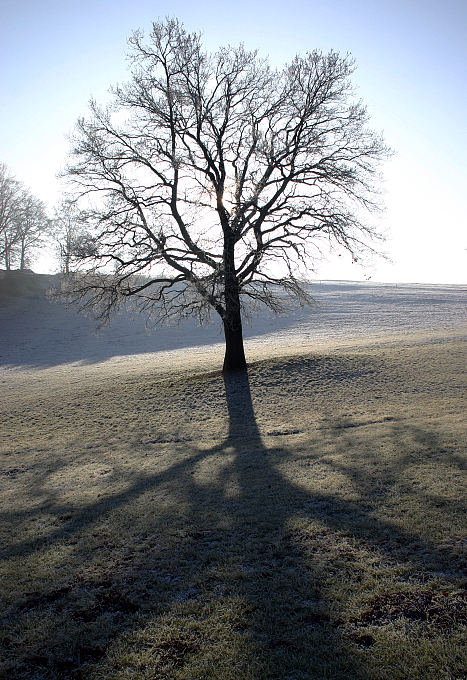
x,y
411,72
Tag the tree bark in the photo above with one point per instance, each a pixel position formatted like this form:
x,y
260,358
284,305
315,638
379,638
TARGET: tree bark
x,y
23,255
7,254
234,359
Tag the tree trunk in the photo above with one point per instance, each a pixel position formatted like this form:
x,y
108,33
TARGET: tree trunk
x,y
7,254
234,359
23,255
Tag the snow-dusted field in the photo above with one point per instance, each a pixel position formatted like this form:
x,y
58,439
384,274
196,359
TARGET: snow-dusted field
x,y
158,519
37,332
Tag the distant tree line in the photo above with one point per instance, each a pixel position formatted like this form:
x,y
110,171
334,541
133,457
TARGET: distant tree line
x,y
26,228
23,222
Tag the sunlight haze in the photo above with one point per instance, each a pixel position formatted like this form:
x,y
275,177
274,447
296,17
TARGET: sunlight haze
x,y
411,65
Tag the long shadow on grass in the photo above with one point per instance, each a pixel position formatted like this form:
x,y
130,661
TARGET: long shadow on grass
x,y
248,559
293,626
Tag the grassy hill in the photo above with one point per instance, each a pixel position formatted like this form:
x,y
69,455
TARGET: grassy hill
x,y
301,522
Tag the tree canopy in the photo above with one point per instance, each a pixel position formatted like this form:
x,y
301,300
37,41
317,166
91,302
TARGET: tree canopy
x,y
213,178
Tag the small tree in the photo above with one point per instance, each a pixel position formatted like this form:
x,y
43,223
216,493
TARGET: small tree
x,y
10,203
70,235
213,177
32,225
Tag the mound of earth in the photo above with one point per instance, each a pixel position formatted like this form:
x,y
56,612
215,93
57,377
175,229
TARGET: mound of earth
x,y
15,283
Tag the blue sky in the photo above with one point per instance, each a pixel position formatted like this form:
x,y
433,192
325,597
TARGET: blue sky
x,y
411,73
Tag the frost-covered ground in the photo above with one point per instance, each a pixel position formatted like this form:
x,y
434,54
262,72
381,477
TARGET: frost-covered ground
x,y
304,520
35,331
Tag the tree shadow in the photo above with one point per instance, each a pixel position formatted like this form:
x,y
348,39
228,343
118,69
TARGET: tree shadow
x,y
283,586
247,541
41,332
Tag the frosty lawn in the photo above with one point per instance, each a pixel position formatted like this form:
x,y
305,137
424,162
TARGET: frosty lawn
x,y
305,522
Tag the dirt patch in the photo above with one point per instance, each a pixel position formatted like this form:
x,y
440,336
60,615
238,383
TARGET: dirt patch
x,y
108,601
71,667
44,599
443,609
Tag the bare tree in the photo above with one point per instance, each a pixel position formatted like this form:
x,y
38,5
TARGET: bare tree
x,y
23,222
65,229
10,202
70,235
213,178
32,225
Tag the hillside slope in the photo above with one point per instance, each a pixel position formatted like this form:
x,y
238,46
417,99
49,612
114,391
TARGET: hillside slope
x,y
38,331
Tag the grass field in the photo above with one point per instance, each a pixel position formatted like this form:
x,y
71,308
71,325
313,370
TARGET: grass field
x,y
303,522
